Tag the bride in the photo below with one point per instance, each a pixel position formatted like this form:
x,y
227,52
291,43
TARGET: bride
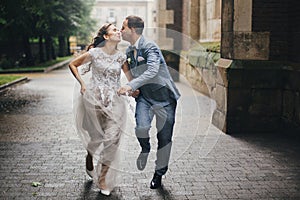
x,y
98,110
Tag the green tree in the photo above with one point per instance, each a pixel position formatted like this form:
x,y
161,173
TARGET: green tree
x,y
52,21
16,28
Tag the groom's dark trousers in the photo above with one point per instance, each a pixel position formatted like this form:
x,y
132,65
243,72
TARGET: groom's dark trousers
x,y
165,119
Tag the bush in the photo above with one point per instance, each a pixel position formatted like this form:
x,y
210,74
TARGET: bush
x,y
6,63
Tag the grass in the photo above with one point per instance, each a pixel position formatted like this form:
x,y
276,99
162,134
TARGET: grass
x,y
8,78
39,67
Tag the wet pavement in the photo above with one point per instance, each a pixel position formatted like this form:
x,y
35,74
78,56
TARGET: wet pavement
x,y
38,144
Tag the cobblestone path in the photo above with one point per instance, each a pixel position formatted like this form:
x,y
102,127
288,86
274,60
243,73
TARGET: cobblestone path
x,y
38,144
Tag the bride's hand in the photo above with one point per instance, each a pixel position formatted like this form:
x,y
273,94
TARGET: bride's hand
x,y
82,90
125,90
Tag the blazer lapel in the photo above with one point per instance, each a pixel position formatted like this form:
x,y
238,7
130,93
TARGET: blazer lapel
x,y
130,58
140,50
133,62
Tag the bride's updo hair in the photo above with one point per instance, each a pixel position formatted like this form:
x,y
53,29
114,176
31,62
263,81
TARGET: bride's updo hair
x,y
99,40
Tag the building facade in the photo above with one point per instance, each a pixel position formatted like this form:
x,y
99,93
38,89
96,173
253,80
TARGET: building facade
x,y
202,19
115,11
256,82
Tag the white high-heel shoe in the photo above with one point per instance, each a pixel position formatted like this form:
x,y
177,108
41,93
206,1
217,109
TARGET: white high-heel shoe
x,y
105,192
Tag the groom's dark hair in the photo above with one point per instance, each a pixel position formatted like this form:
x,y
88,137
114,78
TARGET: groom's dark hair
x,y
136,22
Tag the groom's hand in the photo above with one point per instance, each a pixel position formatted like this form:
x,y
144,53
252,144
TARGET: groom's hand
x,y
125,90
135,93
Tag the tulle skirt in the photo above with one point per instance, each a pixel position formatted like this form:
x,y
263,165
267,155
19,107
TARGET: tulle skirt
x,y
100,125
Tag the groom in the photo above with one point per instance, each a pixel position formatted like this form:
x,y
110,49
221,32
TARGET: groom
x,y
158,96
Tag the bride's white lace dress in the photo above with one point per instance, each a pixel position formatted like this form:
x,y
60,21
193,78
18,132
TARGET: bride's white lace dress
x,y
100,114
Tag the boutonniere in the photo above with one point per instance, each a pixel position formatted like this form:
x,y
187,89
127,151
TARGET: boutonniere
x,y
129,60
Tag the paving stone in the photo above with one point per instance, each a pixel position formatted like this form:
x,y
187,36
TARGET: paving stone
x,y
38,144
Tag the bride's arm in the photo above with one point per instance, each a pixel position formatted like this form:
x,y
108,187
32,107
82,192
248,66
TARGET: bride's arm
x,y
74,64
126,71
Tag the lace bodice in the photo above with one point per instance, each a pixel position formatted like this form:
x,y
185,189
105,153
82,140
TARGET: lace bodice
x,y
105,75
106,69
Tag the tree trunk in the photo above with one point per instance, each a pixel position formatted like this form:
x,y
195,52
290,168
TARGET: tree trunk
x,y
48,44
68,48
62,46
41,49
27,51
53,53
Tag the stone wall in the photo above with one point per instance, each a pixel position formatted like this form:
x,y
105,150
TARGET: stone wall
x,y
256,82
202,73
254,97
251,96
258,37
263,96
282,19
198,67
291,98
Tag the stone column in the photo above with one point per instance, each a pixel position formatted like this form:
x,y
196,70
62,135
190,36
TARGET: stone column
x,y
238,40
191,21
203,20
186,5
164,17
194,20
242,77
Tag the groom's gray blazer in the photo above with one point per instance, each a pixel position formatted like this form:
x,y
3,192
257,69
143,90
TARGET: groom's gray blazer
x,y
151,74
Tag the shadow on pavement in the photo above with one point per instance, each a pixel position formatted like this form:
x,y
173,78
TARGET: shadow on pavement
x,y
284,143
164,193
281,149
87,188
91,193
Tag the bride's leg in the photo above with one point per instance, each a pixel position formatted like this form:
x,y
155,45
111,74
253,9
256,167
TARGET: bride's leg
x,y
94,121
102,183
108,155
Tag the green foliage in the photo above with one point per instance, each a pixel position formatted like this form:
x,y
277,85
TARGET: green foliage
x,y
46,17
211,46
6,63
21,20
86,24
36,184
